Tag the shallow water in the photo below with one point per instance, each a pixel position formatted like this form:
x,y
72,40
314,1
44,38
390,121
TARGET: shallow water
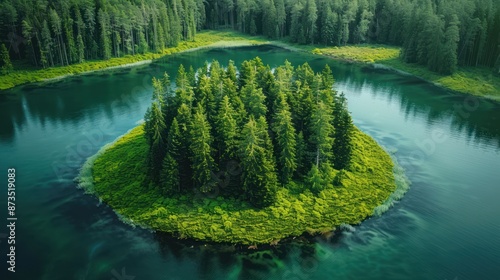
x,y
446,227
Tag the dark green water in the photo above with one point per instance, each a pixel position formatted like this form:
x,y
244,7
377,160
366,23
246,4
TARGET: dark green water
x,y
446,227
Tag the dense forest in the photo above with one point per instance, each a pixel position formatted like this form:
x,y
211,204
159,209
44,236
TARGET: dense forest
x,y
276,125
439,34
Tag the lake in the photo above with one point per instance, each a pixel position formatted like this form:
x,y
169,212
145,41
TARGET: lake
x,y
446,227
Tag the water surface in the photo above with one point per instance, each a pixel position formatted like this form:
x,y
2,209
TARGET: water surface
x,y
446,227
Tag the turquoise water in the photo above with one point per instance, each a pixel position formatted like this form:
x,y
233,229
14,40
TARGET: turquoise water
x,y
446,227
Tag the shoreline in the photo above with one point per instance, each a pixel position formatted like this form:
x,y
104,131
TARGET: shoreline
x,y
219,44
92,181
386,67
127,65
249,42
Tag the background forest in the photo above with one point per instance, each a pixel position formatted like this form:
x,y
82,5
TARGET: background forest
x,y
439,34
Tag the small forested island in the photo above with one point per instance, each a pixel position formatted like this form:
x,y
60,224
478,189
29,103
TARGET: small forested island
x,y
247,156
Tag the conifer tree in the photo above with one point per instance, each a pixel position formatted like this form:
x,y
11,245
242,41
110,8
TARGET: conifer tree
x,y
253,99
155,132
231,72
184,119
322,133
170,177
342,146
227,130
450,46
314,179
285,140
5,64
259,177
203,164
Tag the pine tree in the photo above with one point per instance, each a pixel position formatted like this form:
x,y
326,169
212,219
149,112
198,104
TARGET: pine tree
x,y
322,133
184,119
314,180
47,43
253,99
154,129
342,146
80,46
450,46
329,28
103,18
311,17
5,64
285,140
203,164
259,177
227,130
231,72
301,155
170,177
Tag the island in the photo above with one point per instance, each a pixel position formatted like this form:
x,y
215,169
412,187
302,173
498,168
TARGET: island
x,y
248,155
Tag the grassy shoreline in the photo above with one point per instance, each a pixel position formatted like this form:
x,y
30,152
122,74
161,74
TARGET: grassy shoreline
x,y
207,39
473,81
369,188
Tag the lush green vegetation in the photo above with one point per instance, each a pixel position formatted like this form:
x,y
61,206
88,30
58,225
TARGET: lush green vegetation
x,y
23,74
470,80
261,119
360,53
477,81
119,183
207,165
439,35
459,39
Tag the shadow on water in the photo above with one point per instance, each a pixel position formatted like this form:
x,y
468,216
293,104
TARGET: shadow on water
x,y
12,116
249,263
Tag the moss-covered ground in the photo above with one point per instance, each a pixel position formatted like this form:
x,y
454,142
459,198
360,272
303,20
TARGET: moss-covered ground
x,y
117,172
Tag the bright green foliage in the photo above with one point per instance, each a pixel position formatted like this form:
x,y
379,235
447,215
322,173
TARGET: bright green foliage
x,y
253,99
209,126
231,72
315,180
226,219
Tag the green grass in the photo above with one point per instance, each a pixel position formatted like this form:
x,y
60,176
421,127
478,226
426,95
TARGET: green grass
x,y
475,81
360,53
203,39
116,174
468,80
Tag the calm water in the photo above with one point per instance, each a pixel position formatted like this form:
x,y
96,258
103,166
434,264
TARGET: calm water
x,y
446,227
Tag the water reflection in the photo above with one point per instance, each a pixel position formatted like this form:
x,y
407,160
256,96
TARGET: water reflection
x,y
477,118
11,117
